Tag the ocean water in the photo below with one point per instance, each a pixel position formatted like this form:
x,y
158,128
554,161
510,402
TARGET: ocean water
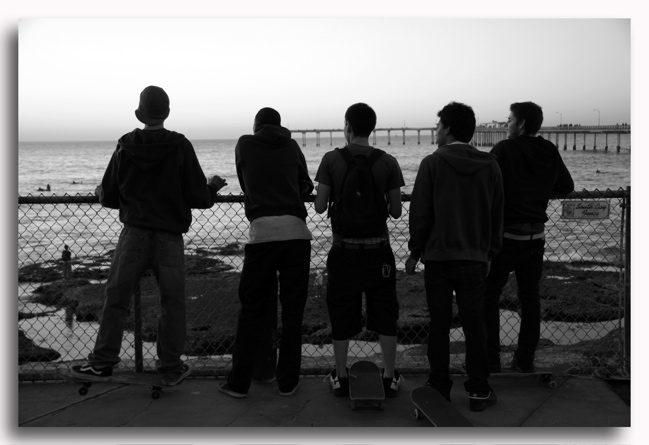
x,y
77,167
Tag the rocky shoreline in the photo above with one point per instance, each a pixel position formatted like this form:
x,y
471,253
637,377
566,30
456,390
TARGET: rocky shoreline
x,y
569,294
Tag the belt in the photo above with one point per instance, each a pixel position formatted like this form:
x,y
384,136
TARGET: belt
x,y
524,237
355,246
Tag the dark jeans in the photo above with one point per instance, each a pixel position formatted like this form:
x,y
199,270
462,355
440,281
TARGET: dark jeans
x,y
467,279
525,258
137,250
261,265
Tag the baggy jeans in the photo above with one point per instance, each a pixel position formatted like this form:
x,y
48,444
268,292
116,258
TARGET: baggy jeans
x,y
137,250
467,279
525,258
261,265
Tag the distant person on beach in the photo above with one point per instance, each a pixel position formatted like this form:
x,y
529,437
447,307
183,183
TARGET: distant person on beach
x,y
154,179
455,226
66,259
361,187
532,170
274,178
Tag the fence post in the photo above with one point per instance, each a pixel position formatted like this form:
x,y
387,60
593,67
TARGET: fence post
x,y
627,283
137,334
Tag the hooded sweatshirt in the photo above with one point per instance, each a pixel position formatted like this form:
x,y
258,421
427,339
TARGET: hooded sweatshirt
x,y
272,173
154,179
456,209
532,170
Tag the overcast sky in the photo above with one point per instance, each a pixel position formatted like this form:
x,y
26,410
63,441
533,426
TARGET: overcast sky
x,y
80,79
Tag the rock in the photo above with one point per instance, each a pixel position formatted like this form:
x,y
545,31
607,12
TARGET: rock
x,y
28,351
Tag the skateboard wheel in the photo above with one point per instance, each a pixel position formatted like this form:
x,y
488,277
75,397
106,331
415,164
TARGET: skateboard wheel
x,y
155,395
417,414
83,391
553,384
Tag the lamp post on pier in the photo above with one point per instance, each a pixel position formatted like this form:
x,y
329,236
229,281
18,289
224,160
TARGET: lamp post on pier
x,y
560,118
598,115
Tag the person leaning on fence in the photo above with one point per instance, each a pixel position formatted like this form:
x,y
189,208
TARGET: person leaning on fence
x,y
455,226
274,178
66,259
361,259
532,170
154,179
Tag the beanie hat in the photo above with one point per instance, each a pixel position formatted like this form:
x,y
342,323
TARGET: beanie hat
x,y
267,116
154,106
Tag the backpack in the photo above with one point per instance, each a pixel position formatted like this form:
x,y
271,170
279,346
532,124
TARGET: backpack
x,y
358,209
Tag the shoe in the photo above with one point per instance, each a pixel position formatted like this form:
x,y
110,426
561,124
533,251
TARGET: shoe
x,y
392,384
521,367
339,385
175,378
289,392
92,372
480,401
225,389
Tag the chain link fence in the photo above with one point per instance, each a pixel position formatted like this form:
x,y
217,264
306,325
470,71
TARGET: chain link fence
x,y
584,290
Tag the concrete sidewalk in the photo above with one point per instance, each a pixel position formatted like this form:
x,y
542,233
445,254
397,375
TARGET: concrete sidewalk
x,y
523,401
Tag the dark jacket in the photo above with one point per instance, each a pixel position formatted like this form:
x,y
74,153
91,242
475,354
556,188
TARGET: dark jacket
x,y
532,170
154,179
272,173
456,209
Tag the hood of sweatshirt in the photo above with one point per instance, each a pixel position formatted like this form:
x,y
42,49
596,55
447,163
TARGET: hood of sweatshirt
x,y
273,135
464,158
147,148
538,154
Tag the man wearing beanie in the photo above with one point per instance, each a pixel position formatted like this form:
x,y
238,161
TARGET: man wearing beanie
x,y
273,175
154,179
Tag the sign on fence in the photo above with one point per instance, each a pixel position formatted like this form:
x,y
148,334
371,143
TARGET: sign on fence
x,y
586,209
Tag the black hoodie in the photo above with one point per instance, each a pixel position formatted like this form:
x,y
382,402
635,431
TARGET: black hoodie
x,y
456,206
154,179
532,170
272,173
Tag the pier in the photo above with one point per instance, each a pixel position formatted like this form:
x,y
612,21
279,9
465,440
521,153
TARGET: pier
x,y
486,136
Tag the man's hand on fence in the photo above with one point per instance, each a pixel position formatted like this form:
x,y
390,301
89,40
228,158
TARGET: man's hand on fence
x,y
218,182
411,265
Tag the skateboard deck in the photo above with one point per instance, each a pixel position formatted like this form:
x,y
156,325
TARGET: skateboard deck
x,y
266,357
366,386
432,405
153,381
546,375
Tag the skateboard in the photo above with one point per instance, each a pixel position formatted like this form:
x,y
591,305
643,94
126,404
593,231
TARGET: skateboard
x,y
266,358
366,386
432,405
545,375
151,380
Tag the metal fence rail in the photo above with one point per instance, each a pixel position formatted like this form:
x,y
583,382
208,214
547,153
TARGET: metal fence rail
x,y
584,290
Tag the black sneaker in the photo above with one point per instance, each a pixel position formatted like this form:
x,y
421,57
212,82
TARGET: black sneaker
x,y
92,372
480,401
286,392
392,384
225,389
175,378
521,367
339,385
